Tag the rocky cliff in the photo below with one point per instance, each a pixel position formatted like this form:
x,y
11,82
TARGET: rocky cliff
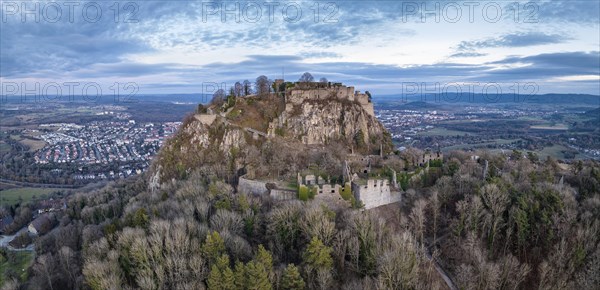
x,y
320,122
270,136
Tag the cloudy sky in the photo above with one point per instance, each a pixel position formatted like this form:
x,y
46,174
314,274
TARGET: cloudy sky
x,y
381,46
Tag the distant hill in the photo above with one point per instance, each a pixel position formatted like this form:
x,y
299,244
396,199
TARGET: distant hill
x,y
595,112
566,99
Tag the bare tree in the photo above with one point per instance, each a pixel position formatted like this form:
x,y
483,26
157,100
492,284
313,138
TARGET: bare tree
x,y
477,272
263,85
323,80
44,268
238,89
10,284
496,201
247,87
316,223
434,204
218,97
512,272
417,217
306,78
399,264
68,263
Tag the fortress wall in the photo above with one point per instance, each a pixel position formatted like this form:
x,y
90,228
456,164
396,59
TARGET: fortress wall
x,y
255,187
297,96
375,193
282,194
362,99
369,108
205,119
330,189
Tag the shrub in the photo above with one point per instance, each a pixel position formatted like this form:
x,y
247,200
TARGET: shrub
x,y
303,193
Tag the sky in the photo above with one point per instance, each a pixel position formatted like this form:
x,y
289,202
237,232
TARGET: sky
x,y
385,47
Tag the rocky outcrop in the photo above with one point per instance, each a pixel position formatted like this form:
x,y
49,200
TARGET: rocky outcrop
x,y
319,122
234,141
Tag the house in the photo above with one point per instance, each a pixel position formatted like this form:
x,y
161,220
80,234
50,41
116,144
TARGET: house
x,y
50,205
41,224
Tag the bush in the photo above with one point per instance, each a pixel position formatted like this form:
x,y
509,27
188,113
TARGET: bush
x,y
303,193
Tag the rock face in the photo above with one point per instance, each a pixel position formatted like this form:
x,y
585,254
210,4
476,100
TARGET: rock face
x,y
319,122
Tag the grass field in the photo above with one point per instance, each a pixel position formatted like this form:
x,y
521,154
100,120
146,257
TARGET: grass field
x,y
34,145
443,132
23,261
480,145
554,151
561,127
26,194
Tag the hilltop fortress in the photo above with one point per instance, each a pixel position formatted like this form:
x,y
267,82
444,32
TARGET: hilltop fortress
x,y
298,92
302,116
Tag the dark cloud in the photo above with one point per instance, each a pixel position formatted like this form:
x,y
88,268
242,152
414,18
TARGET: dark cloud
x,y
548,65
520,39
541,67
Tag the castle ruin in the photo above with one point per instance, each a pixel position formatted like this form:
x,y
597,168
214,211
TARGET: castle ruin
x,y
301,91
375,192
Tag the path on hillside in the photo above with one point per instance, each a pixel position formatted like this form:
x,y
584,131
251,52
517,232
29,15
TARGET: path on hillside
x,y
248,129
441,271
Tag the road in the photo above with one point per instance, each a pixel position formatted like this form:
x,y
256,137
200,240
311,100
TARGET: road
x,y
4,240
42,185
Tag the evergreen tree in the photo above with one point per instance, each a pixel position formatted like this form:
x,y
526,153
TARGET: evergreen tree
x,y
221,276
317,255
319,263
257,276
291,279
265,258
240,275
214,278
228,278
213,247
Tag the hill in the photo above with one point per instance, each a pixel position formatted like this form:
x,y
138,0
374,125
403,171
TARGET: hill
x,y
465,220
547,99
593,113
234,135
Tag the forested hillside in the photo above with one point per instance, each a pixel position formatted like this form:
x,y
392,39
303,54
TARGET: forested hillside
x,y
528,224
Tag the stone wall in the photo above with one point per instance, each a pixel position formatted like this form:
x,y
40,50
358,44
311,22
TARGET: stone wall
x,y
206,119
376,192
283,194
249,186
297,96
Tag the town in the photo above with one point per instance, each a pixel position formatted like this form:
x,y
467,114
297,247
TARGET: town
x,y
502,128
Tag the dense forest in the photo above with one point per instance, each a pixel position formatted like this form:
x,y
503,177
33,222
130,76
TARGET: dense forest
x,y
523,224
